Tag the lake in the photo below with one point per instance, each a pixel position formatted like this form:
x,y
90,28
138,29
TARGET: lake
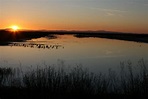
x,y
96,54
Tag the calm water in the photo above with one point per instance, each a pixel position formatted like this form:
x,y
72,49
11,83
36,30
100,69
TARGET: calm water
x,y
97,54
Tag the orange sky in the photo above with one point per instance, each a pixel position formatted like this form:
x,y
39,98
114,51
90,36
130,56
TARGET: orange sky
x,y
110,15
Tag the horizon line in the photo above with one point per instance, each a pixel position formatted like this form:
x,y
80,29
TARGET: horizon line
x,y
74,30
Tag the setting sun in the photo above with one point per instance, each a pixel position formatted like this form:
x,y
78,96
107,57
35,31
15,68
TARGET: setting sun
x,y
15,28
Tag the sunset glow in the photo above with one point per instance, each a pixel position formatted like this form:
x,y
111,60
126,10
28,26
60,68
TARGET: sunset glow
x,y
109,15
14,28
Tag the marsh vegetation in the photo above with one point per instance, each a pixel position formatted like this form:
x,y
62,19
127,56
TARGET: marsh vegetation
x,y
77,82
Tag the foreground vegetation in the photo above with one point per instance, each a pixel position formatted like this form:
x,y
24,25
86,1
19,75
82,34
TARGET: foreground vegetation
x,y
78,82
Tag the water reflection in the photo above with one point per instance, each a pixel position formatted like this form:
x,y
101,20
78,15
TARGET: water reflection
x,y
96,54
40,46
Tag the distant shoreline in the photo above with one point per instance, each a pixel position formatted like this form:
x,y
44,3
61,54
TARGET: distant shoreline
x,y
143,38
8,36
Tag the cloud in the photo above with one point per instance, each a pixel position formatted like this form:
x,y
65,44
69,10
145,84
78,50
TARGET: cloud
x,y
114,10
110,10
110,14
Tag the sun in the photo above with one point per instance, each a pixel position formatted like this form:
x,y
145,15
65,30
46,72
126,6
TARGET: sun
x,y
14,27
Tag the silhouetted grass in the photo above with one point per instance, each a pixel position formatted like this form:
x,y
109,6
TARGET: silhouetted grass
x,y
52,83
